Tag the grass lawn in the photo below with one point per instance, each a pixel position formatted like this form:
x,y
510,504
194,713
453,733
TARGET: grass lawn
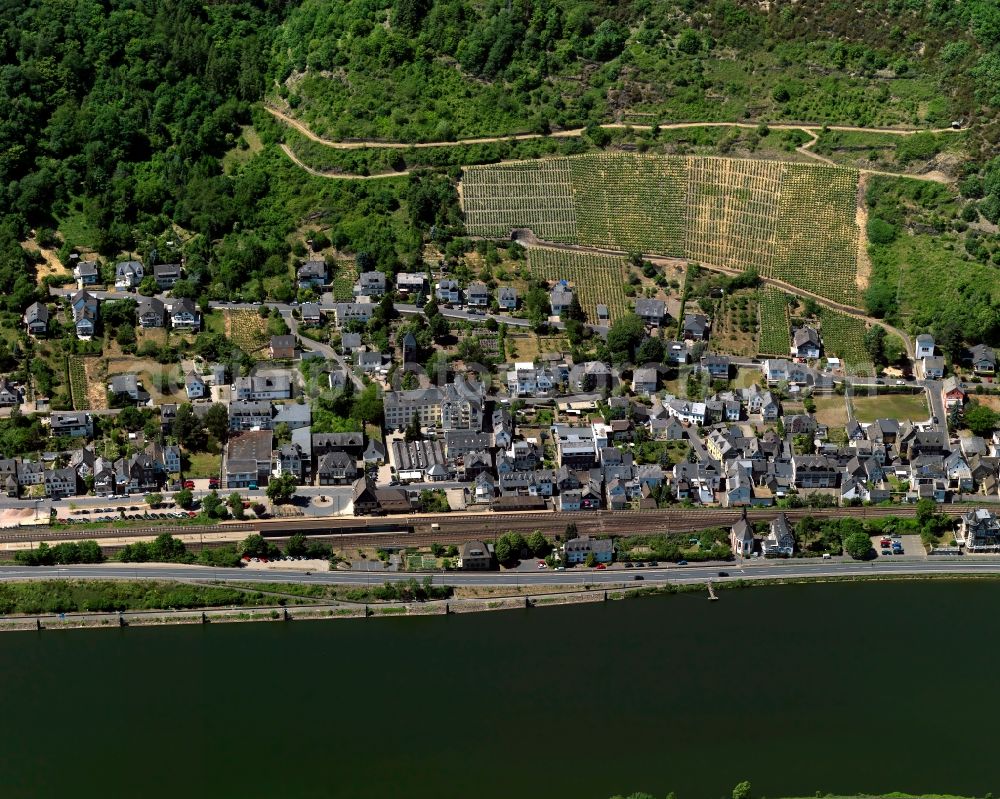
x,y
747,377
890,406
522,347
831,411
203,464
215,322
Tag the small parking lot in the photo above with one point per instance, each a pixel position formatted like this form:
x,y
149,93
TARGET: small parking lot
x,y
911,546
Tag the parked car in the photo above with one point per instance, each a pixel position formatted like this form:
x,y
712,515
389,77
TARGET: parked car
x,y
682,563
886,552
189,484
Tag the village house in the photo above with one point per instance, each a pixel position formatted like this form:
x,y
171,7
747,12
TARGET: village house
x,y
263,387
346,312
166,275
576,550
644,381
983,359
194,386
84,307
311,314
931,367
696,327
924,344
652,312
369,284
477,295
250,414
128,274
86,274
282,348
184,315
9,393
779,541
411,282
507,298
312,274
560,298
336,468
248,459
447,291
127,386
36,319
806,343
150,312
71,423
717,366
979,531
475,556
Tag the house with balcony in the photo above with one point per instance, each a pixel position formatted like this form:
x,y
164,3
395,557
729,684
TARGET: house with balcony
x,y
312,274
86,273
166,275
369,284
150,313
36,319
128,275
184,315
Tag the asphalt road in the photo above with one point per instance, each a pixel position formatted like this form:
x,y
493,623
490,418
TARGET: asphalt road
x,y
767,570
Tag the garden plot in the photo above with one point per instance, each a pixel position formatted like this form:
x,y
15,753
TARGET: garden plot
x,y
774,335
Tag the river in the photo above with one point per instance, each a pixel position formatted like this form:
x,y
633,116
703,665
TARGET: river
x,y
841,688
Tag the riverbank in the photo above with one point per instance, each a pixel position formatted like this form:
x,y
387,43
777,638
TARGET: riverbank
x,y
289,602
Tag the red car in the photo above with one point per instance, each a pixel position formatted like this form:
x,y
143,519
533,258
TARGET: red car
x,y
189,483
600,566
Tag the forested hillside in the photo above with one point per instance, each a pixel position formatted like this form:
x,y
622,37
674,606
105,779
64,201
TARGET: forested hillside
x,y
134,125
411,70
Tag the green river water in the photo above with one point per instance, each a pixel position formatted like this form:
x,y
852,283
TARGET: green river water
x,y
841,688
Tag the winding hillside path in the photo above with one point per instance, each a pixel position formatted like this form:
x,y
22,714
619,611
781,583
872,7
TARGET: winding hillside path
x,y
370,144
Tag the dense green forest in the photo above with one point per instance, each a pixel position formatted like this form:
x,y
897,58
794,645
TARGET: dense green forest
x,y
410,70
125,125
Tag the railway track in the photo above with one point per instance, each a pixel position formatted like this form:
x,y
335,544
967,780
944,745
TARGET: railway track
x,y
459,527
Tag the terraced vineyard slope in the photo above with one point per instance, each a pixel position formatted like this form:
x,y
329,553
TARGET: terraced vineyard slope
x,y
793,222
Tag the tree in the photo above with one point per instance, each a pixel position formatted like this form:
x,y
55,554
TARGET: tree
x,y
742,790
650,351
981,419
253,545
538,544
184,498
590,561
857,545
235,503
188,429
153,500
574,311
368,406
282,489
626,334
874,340
925,511
503,551
296,545
217,422
211,503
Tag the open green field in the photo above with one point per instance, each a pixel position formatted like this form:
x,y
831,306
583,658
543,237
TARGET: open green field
x,y
831,411
203,464
890,406
598,279
794,222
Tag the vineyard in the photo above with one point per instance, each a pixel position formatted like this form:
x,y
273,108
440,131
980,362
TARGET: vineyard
x,y
247,330
78,383
794,222
844,338
774,335
533,194
343,282
597,279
